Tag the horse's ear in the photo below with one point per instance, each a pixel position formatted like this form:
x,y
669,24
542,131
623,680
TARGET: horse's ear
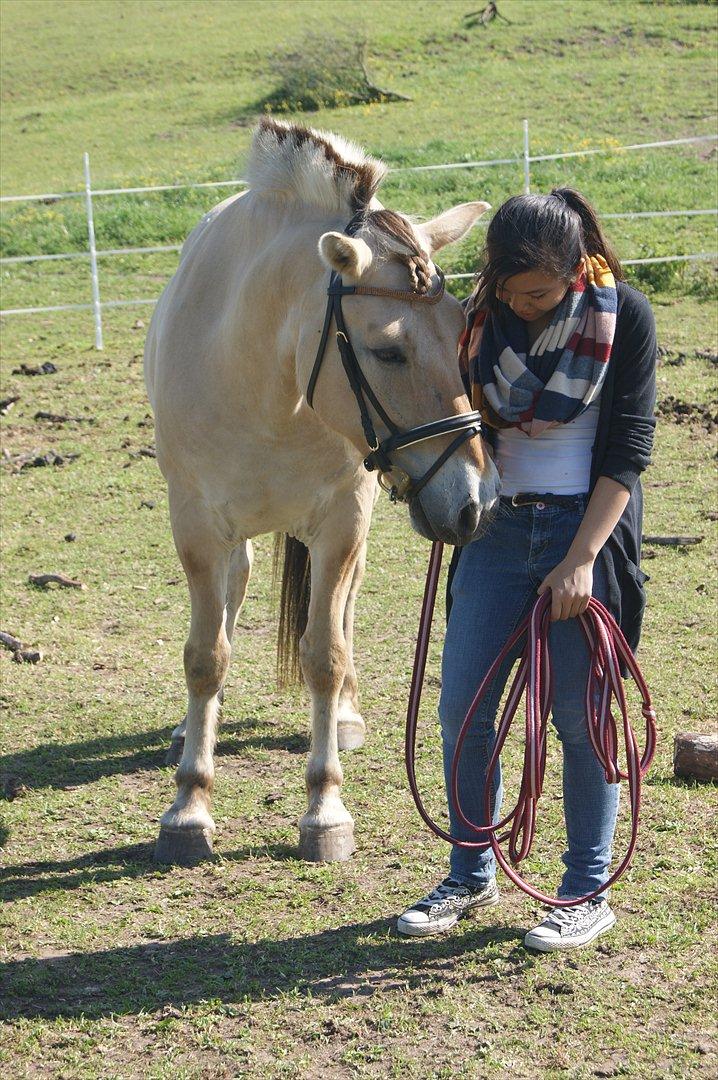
x,y
348,255
451,225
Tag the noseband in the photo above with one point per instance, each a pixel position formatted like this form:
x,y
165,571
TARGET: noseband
x,y
403,488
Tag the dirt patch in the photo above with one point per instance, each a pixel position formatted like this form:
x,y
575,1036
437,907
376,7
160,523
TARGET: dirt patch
x,y
47,368
36,459
688,412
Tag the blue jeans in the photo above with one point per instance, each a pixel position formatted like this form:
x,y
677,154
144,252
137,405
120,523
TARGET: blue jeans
x,y
494,587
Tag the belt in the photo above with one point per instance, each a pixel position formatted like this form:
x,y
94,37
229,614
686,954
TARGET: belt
x,y
532,498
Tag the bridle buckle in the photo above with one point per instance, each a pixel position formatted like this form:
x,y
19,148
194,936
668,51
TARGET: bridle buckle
x,y
396,483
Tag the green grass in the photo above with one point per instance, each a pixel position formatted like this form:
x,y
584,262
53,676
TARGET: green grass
x,y
155,88
257,963
471,90
115,967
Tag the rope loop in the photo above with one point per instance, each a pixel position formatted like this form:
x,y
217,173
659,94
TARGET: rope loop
x,y
607,648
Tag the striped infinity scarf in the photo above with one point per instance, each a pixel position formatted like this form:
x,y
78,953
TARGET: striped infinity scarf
x,y
561,374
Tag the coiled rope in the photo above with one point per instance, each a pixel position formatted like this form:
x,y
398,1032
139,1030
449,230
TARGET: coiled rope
x,y
607,648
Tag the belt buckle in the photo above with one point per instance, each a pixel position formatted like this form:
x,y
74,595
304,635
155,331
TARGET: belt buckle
x,y
522,499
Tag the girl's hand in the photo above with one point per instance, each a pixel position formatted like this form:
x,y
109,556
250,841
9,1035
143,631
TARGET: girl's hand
x,y
571,585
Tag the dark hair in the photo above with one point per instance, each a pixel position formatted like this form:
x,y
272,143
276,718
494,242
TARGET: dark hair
x,y
550,233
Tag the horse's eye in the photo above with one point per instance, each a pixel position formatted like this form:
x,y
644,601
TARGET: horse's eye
x,y
389,356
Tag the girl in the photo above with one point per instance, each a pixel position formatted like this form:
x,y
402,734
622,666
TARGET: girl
x,y
560,357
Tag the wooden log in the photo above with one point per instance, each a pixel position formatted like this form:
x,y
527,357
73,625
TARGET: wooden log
x,y
673,541
60,418
695,756
9,641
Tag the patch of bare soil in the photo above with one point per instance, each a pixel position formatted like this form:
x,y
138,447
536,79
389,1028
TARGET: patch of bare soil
x,y
35,459
688,412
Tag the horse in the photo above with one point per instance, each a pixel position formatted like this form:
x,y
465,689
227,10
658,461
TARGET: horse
x,y
266,421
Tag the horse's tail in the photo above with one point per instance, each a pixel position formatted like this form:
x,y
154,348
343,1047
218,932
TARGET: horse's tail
x,y
292,558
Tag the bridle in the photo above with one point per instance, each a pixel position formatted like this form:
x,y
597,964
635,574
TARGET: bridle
x,y
401,488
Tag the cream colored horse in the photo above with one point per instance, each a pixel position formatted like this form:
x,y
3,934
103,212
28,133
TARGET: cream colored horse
x,y
229,354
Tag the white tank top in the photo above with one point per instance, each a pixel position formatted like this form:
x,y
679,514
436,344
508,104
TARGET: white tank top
x,y
557,461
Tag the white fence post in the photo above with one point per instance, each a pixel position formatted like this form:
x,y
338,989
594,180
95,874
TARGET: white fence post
x,y
93,256
527,160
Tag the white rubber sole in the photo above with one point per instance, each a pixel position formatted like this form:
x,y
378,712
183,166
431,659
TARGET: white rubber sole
x,y
555,944
440,926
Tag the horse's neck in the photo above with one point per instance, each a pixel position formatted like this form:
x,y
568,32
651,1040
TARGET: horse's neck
x,y
294,283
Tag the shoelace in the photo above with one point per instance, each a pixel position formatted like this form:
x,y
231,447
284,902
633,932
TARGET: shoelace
x,y
567,916
607,647
443,892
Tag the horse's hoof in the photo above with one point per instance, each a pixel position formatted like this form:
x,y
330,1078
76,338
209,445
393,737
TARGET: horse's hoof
x,y
351,733
333,843
183,847
174,754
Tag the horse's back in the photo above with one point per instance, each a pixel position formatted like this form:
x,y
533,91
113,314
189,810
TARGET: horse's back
x,y
205,221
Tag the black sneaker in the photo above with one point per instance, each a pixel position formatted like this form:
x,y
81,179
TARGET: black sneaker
x,y
444,906
569,928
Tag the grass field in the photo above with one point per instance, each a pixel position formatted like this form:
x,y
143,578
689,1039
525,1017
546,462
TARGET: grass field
x,y
258,963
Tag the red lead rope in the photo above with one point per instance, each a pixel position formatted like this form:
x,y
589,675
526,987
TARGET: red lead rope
x,y
607,647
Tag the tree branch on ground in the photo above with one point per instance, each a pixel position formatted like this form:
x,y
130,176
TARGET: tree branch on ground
x,y
43,580
484,17
22,654
384,95
672,541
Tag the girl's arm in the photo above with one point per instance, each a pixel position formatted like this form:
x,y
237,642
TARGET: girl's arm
x,y
633,421
630,440
571,582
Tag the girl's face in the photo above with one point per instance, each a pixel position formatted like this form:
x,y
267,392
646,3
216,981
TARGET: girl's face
x,y
531,294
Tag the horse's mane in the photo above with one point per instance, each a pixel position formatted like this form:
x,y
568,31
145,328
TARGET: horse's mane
x,y
322,169
312,167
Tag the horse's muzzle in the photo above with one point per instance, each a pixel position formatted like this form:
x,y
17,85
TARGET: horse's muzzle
x,y
471,522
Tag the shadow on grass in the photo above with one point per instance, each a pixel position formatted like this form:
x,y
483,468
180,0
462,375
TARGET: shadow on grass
x,y
355,960
28,879
110,864
57,765
669,780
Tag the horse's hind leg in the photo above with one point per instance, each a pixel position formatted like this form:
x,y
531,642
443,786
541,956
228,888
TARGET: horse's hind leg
x,y
186,828
240,566
350,725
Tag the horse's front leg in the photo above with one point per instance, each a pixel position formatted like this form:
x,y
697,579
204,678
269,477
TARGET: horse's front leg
x,y
326,831
186,829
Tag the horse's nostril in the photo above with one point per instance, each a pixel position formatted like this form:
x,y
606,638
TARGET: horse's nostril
x,y
469,520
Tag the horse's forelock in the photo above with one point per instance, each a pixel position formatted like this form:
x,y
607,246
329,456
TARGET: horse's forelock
x,y
398,228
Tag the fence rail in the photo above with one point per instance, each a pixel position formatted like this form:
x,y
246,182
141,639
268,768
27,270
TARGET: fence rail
x,y
12,259
699,257
400,169
526,159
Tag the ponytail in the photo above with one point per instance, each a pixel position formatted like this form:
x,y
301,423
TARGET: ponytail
x,y
594,239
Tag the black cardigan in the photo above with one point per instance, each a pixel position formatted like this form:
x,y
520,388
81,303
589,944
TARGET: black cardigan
x,y
622,450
